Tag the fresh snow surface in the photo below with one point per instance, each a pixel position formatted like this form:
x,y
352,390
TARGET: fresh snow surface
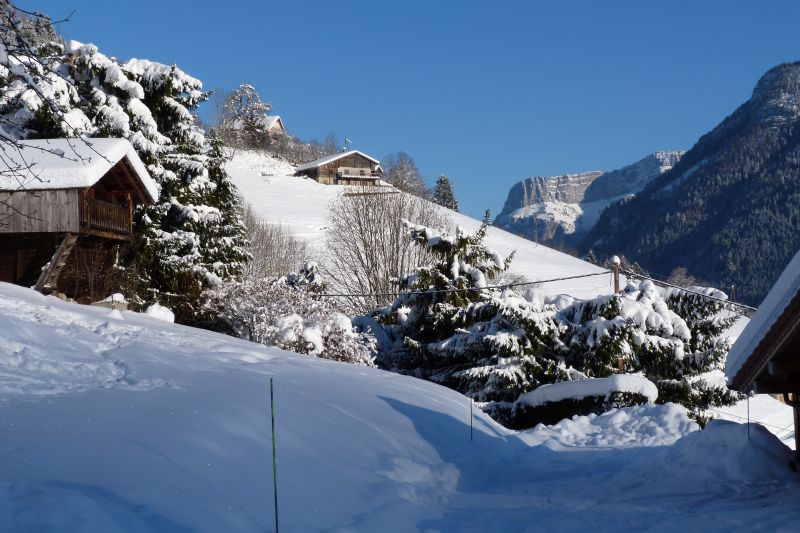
x,y
302,205
776,301
160,312
67,163
581,388
128,423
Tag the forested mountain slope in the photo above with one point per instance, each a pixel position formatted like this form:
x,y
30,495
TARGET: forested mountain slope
x,y
730,208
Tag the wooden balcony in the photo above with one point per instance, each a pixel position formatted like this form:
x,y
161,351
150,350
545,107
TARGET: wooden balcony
x,y
356,173
105,219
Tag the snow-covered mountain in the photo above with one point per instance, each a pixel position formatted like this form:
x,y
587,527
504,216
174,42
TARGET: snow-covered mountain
x,y
115,421
561,209
302,205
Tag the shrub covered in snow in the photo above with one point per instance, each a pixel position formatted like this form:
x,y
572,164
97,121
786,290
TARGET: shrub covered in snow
x,y
550,403
286,312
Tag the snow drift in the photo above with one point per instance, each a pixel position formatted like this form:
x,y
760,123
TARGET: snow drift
x,y
122,422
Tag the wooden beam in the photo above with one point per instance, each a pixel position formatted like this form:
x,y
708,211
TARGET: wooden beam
x,y
106,234
777,386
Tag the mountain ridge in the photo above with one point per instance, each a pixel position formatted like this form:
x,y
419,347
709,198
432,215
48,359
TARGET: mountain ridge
x,y
561,209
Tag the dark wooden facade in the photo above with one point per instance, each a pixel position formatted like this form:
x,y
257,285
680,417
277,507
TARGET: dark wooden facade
x,y
36,221
351,169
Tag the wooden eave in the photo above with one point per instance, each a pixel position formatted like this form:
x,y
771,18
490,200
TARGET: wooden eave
x,y
774,365
125,179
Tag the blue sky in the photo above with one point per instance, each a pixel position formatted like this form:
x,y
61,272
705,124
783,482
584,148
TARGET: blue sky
x,y
485,92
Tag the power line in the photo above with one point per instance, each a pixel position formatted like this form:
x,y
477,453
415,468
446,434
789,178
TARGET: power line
x,y
465,289
707,296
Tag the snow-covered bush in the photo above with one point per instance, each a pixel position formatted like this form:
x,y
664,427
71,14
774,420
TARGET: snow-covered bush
x,y
550,403
286,312
273,249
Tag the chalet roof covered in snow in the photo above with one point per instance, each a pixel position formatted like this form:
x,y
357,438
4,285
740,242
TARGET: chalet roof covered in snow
x,y
45,164
271,120
770,329
333,157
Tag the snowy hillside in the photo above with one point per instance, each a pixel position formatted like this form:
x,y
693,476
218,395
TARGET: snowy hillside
x,y
119,422
302,205
564,208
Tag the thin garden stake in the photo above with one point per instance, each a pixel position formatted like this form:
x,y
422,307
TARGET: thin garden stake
x,y
274,456
748,416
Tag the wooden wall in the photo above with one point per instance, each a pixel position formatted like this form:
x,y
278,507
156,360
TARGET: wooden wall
x,y
40,211
23,256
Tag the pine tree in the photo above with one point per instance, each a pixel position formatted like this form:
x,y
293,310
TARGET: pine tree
x,y
443,193
452,328
671,336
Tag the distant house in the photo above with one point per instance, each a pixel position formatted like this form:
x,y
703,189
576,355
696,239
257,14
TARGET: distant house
x,y
766,356
344,168
274,124
57,195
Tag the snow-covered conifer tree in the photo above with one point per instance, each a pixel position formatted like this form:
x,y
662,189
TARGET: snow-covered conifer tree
x,y
451,327
443,193
671,336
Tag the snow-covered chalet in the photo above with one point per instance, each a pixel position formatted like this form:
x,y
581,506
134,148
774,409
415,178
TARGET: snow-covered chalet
x,y
67,202
344,168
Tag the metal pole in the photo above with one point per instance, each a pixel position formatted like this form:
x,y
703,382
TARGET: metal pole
x,y
470,419
274,456
748,416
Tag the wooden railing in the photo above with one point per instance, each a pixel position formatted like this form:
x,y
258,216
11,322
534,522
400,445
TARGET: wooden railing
x,y
106,216
351,172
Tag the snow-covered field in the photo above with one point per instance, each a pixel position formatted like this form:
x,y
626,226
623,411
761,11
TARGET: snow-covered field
x,y
301,204
121,422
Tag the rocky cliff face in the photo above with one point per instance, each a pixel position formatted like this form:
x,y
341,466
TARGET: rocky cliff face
x,y
562,209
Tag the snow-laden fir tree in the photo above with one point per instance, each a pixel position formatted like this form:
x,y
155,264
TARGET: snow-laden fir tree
x,y
193,237
673,337
443,193
287,312
451,327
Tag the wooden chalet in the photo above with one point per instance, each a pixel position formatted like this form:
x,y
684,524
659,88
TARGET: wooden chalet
x,y
766,357
60,195
345,168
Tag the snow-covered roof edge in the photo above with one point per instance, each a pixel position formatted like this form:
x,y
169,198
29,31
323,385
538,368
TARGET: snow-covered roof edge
x,y
271,120
333,157
44,164
770,310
